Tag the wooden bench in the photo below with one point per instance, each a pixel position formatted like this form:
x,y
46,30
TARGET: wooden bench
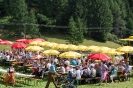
x,y
89,79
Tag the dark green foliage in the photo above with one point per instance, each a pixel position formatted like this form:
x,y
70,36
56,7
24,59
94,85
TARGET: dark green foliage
x,y
86,18
75,33
101,17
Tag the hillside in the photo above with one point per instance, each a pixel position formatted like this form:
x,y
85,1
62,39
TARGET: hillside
x,y
61,39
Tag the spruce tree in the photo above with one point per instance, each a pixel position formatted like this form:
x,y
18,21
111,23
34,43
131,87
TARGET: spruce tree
x,y
101,17
75,33
33,29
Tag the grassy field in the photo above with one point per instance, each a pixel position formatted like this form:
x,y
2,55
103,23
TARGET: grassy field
x,y
41,84
88,42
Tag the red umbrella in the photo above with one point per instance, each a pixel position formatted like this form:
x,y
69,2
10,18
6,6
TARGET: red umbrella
x,y
1,40
19,45
28,41
20,40
39,39
6,42
38,56
99,56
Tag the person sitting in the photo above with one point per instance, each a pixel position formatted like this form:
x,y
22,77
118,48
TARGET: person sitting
x,y
93,72
126,70
113,73
98,70
85,73
74,62
62,69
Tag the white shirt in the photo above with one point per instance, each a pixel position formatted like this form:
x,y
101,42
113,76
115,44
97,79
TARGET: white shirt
x,y
79,61
89,71
78,74
116,60
67,62
7,58
48,65
11,70
1,54
56,60
92,64
62,69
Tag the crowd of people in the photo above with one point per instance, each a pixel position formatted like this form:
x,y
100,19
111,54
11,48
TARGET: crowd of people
x,y
77,67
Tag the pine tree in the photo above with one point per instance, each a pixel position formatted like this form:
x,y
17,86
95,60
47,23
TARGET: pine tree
x,y
19,14
75,33
33,29
101,17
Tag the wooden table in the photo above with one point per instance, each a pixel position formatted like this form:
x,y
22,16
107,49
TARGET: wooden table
x,y
28,65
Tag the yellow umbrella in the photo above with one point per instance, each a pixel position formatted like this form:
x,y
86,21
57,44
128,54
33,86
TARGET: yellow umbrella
x,y
70,55
127,39
112,52
51,44
41,43
51,52
72,47
82,48
34,42
131,37
34,48
125,49
60,47
100,49
92,47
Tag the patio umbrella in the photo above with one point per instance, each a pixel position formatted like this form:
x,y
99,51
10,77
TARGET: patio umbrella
x,y
92,47
60,47
34,48
20,40
28,41
39,39
50,44
1,40
99,56
127,39
70,55
82,48
34,42
38,57
72,47
19,45
112,52
51,52
125,49
100,49
6,42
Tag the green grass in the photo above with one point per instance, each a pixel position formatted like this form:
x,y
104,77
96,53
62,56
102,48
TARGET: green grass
x,y
61,39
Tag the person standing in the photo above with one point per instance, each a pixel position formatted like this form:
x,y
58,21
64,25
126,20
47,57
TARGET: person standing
x,y
10,78
51,74
104,72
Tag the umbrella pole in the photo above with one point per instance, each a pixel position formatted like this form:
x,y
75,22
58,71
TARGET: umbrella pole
x,y
126,57
129,43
